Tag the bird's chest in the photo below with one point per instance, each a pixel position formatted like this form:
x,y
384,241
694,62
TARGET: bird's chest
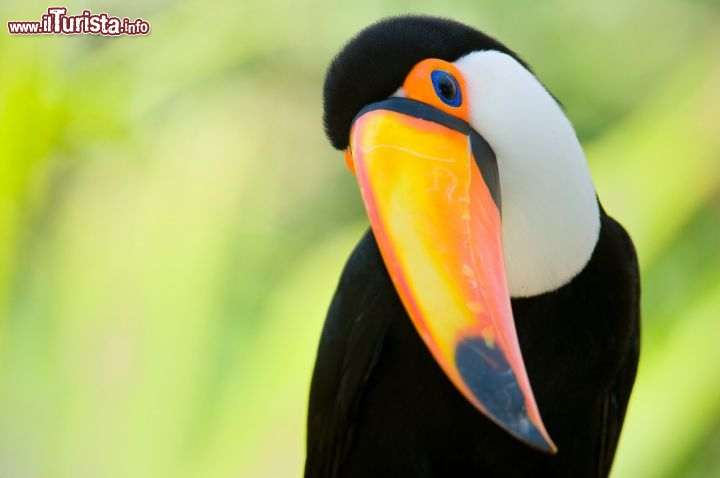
x,y
570,341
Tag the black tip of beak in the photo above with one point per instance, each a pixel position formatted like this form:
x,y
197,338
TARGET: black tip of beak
x,y
491,379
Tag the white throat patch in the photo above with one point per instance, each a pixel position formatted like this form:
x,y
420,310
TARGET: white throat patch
x,y
550,214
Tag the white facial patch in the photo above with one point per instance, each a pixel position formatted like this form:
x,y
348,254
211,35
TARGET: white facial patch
x,y
550,214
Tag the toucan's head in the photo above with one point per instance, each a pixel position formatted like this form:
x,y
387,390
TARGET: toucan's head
x,y
476,188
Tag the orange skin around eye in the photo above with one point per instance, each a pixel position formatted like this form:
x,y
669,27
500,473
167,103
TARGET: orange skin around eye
x,y
419,86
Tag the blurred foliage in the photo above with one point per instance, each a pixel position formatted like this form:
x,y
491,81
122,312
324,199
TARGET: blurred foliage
x,y
172,223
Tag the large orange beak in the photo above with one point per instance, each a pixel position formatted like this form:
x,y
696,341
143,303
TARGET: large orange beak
x,y
431,190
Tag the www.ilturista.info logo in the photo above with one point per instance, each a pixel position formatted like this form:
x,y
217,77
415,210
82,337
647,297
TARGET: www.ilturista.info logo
x,y
58,22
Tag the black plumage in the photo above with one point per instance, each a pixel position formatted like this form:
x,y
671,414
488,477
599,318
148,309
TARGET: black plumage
x,y
380,405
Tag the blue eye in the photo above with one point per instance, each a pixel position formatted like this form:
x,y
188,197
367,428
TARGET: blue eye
x,y
446,87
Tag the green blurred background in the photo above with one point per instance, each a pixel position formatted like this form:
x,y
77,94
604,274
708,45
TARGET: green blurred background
x,y
173,222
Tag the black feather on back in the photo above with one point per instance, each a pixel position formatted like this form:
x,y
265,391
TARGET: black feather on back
x,y
374,64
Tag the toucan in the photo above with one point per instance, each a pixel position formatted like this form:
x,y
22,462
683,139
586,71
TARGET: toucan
x,y
488,322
